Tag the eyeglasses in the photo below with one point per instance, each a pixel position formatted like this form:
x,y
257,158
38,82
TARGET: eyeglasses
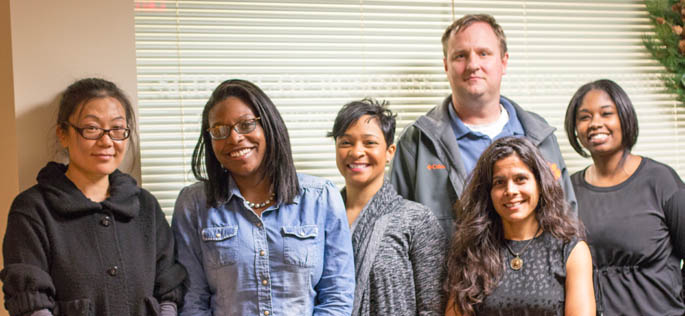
x,y
223,131
95,133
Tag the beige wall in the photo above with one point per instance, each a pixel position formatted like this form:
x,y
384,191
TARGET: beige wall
x,y
44,46
53,44
9,186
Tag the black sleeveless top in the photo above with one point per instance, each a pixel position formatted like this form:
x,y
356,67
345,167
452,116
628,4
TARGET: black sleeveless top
x,y
538,287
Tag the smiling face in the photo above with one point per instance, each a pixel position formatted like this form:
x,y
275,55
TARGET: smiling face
x,y
598,126
514,192
361,153
93,159
240,154
474,63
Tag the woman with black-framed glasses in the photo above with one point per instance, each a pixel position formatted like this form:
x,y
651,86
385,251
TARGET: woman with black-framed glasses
x,y
256,237
86,240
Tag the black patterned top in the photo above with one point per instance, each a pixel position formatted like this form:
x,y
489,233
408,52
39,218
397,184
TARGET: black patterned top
x,y
538,287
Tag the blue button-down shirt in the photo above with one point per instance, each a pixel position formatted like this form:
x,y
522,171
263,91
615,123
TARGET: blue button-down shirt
x,y
296,259
472,144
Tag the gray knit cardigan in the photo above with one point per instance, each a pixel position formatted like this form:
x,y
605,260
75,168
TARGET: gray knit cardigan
x,y
399,250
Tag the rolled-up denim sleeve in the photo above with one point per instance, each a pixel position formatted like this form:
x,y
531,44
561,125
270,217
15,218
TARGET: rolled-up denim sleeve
x,y
335,290
197,300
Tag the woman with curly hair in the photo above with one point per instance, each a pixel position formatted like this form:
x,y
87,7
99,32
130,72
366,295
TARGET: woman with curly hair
x,y
515,251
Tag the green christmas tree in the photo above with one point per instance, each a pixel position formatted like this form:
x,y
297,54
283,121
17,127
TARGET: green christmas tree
x,y
667,43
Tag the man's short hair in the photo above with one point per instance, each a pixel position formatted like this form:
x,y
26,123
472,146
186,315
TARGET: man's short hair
x,y
469,19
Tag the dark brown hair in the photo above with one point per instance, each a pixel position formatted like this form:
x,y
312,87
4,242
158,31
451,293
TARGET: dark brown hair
x,y
84,90
474,263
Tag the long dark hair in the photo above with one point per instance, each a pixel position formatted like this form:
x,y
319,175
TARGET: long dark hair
x,y
474,263
277,164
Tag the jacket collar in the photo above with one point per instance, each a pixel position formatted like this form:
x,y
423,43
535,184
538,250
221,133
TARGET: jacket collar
x,y
535,127
435,125
65,198
436,122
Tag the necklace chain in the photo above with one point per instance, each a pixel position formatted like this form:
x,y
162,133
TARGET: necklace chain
x,y
517,263
260,205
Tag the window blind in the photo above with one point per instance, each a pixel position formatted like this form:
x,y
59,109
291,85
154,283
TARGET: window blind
x,y
311,57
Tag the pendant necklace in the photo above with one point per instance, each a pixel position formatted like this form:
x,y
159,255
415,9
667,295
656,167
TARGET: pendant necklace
x,y
260,205
517,263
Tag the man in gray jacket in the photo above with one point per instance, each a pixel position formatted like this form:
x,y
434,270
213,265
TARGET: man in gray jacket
x,y
436,154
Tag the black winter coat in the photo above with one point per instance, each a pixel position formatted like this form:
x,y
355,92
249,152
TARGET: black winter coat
x,y
77,257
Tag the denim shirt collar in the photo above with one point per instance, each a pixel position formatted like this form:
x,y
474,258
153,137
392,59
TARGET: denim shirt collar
x,y
233,190
513,125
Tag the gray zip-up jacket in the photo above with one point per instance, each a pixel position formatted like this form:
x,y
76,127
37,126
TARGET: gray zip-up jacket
x,y
428,167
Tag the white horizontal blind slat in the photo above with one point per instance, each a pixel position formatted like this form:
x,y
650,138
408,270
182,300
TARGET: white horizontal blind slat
x,y
311,57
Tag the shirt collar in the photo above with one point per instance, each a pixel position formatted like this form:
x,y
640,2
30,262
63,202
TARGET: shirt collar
x,y
461,130
233,190
513,124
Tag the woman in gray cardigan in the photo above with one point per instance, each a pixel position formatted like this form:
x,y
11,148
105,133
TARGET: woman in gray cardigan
x,y
399,247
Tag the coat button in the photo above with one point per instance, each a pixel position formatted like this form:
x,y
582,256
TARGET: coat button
x,y
106,221
113,271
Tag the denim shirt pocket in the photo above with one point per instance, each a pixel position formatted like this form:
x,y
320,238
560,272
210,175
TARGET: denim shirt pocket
x,y
220,245
299,245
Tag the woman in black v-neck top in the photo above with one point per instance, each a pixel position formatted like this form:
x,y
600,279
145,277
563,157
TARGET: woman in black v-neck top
x,y
630,206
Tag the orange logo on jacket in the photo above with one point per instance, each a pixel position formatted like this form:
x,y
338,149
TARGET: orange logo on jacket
x,y
555,170
436,166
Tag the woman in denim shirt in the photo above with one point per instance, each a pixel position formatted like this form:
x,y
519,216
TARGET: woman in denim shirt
x,y
255,237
